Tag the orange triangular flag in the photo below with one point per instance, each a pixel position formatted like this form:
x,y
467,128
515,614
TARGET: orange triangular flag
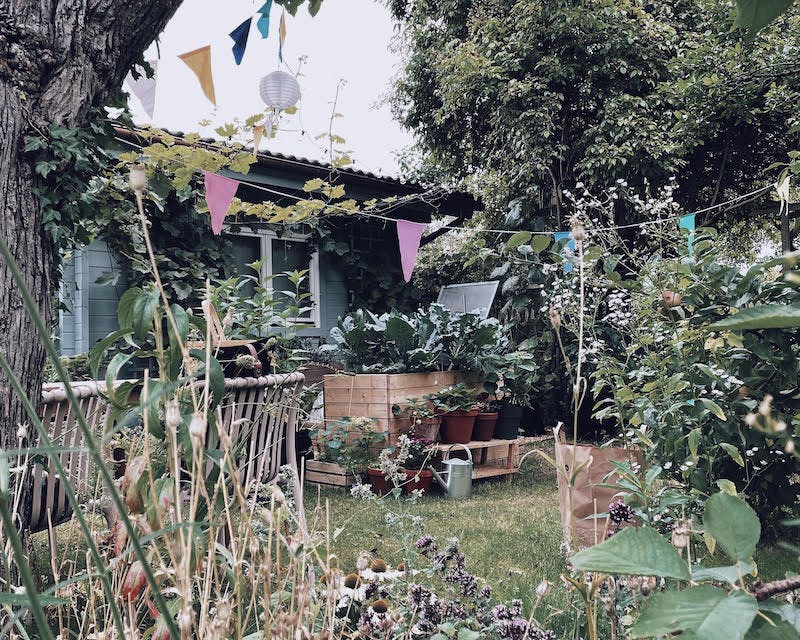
x,y
199,61
258,133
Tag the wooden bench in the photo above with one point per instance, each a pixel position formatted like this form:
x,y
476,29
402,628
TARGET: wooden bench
x,y
260,413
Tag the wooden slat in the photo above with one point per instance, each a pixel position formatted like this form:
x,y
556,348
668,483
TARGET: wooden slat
x,y
325,467
356,396
491,471
327,479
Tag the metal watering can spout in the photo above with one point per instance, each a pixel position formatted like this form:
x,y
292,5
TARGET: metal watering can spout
x,y
457,480
438,478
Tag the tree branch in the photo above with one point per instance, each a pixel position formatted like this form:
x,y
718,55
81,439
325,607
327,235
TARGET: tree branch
x,y
762,591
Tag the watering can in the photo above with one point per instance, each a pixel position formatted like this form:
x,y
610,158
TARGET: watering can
x,y
457,481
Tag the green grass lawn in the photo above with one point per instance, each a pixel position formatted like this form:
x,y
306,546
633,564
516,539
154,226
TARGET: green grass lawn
x,y
510,532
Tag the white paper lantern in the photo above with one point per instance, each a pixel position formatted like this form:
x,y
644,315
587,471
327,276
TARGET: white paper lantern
x,y
279,90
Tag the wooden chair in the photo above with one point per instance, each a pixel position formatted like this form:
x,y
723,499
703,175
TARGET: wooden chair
x,y
259,413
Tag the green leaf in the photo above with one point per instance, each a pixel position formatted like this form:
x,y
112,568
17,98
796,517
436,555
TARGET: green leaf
x,y
706,612
143,312
734,525
22,600
733,452
125,307
216,379
754,15
767,316
730,574
727,486
468,634
632,551
99,349
694,440
540,243
112,373
787,612
520,237
713,407
774,629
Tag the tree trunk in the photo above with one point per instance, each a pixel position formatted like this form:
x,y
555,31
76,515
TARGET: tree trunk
x,y
21,228
58,59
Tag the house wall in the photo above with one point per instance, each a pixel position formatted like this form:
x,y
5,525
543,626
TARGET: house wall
x,y
91,312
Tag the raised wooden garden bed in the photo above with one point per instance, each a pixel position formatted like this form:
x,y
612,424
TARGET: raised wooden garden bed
x,y
328,474
373,394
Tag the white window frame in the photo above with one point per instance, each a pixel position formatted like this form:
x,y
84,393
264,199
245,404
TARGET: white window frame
x,y
266,237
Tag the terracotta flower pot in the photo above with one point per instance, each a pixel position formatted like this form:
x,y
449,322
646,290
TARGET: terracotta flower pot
x,y
379,483
457,426
484,426
418,479
428,428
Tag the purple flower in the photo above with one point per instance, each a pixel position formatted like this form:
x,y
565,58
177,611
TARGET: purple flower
x,y
426,545
620,512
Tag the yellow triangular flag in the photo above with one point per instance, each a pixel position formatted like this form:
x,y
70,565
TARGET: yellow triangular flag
x,y
199,61
282,29
258,133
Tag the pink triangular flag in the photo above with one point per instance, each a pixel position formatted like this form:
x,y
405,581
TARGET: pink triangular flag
x,y
144,89
408,236
219,196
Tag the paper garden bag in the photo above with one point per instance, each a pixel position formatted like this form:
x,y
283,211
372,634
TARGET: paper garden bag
x,y
588,497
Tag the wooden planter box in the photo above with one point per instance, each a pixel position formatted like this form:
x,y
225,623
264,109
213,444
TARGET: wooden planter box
x,y
328,474
373,394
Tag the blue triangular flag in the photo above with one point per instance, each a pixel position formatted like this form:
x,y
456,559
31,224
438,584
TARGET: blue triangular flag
x,y
561,235
688,222
239,35
263,21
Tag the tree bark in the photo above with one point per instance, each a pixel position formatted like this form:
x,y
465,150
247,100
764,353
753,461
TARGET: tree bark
x,y
58,59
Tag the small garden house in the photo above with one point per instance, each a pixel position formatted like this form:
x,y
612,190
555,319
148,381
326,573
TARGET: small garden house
x,y
351,260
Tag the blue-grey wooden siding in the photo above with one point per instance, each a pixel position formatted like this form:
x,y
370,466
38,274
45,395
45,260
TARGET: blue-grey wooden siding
x,y
92,307
90,311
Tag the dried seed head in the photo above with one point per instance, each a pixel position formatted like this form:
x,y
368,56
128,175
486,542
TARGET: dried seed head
x,y
364,560
197,428
789,448
681,533
543,589
671,299
578,233
137,179
173,415
648,584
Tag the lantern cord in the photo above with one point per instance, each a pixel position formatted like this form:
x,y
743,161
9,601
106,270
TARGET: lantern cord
x,y
377,216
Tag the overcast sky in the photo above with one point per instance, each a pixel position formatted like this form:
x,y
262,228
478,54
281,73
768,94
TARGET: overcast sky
x,y
349,40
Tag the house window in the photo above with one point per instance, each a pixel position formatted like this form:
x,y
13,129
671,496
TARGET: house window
x,y
287,253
